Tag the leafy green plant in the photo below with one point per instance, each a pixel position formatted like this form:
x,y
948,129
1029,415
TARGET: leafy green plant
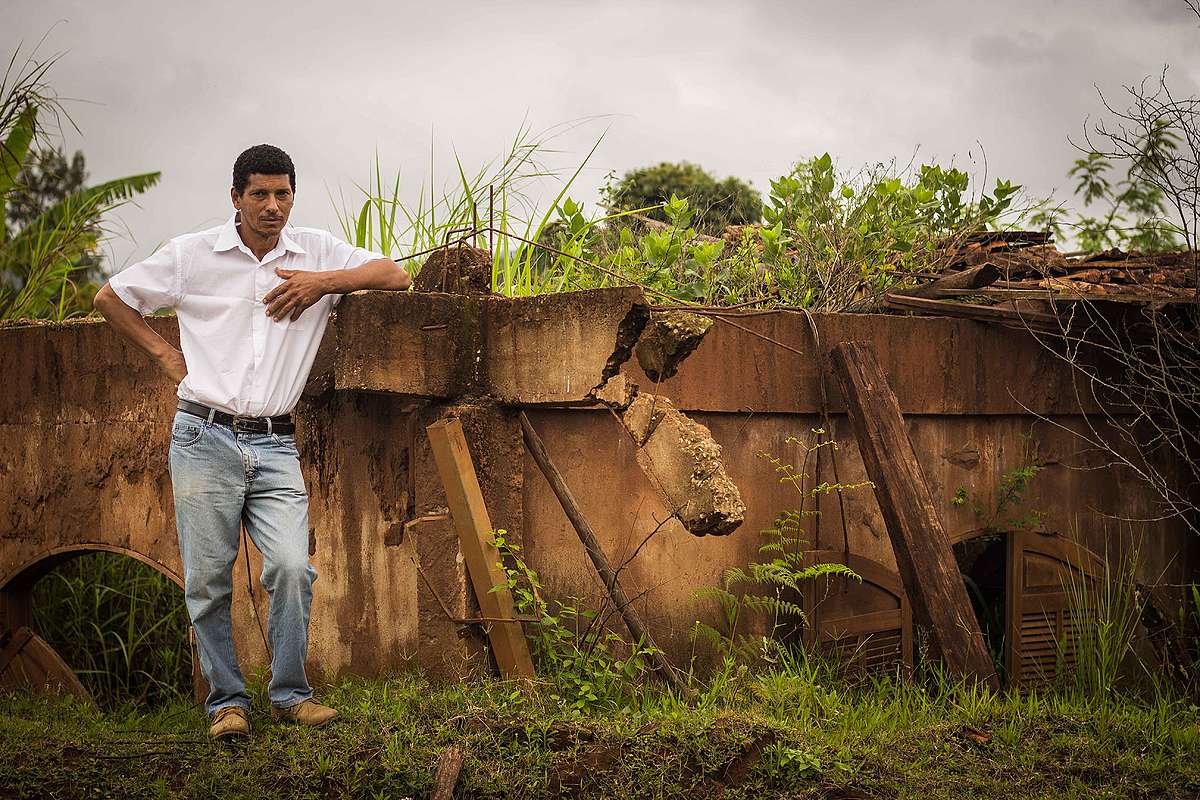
x,y
835,239
1007,511
829,242
588,666
43,258
1130,210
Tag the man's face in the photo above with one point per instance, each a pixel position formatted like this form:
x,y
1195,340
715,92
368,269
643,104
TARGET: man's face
x,y
265,204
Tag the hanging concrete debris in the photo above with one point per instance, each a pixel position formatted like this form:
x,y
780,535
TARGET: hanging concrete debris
x,y
670,337
682,460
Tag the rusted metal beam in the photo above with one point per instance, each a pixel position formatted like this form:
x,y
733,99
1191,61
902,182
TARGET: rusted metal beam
x,y
923,552
474,527
590,543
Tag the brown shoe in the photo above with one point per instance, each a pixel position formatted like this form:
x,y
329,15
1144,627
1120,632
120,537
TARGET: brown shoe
x,y
229,722
308,712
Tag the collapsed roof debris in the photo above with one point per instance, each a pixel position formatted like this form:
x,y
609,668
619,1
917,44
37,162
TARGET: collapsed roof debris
x,y
1018,276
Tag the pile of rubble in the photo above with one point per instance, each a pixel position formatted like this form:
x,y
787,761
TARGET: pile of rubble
x,y
1029,261
1017,278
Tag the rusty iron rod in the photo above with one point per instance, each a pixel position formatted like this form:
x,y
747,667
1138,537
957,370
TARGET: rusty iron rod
x,y
587,535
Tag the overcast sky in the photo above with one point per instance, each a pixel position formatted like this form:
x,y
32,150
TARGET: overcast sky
x,y
742,88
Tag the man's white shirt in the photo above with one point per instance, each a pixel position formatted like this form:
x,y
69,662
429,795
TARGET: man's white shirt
x,y
239,360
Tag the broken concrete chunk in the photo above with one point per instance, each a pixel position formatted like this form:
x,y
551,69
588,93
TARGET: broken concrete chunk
x,y
617,392
682,459
644,414
670,337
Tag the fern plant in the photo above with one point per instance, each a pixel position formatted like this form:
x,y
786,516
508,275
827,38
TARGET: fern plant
x,y
763,591
763,595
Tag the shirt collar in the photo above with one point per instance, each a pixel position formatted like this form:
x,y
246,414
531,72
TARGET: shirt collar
x,y
228,238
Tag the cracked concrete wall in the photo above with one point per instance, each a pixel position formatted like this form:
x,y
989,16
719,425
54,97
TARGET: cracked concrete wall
x,y
85,421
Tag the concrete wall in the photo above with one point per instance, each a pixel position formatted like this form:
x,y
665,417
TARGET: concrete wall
x,y
84,430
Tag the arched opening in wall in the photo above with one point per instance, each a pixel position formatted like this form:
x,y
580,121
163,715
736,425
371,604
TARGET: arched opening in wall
x,y
117,622
1020,583
983,564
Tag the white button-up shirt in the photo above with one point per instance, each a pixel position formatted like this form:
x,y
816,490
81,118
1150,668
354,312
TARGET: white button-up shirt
x,y
239,360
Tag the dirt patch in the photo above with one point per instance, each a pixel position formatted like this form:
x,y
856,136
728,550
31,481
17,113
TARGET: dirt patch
x,y
458,269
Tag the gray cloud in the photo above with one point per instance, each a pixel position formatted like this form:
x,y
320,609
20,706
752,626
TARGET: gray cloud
x,y
742,88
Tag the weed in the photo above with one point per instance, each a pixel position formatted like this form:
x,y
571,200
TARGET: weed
x,y
768,590
1105,611
571,645
828,241
883,738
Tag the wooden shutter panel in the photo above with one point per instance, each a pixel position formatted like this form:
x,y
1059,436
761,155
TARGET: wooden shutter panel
x,y
1040,636
28,663
868,625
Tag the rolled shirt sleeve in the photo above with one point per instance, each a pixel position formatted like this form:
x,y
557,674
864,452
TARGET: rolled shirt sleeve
x,y
342,255
153,284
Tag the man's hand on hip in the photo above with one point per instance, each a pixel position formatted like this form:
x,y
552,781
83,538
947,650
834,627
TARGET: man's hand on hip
x,y
299,290
174,365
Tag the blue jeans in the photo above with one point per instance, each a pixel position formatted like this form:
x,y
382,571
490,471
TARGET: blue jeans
x,y
221,481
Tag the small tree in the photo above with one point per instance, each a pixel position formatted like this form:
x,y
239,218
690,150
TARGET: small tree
x,y
716,203
1142,365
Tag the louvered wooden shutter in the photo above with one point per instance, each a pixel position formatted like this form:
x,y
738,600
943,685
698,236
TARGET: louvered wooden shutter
x,y
1040,636
868,626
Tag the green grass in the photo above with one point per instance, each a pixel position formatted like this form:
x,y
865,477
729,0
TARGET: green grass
x,y
121,626
748,735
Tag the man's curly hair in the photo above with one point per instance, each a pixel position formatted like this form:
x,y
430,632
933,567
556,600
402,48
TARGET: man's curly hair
x,y
263,159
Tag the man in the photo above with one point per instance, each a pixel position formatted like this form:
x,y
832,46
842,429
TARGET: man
x,y
252,298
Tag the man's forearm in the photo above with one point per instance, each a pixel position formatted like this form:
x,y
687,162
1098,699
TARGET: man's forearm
x,y
382,273
132,326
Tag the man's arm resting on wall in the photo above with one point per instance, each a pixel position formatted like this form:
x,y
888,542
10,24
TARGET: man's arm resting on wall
x,y
131,325
300,288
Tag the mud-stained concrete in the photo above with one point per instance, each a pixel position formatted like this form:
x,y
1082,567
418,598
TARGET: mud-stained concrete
x,y
84,431
683,460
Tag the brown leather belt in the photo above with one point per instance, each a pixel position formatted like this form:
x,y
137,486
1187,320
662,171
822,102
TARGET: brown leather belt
x,y
281,424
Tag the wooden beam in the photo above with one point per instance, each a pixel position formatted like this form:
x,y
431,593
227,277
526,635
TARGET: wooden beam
x,y
474,527
590,543
450,763
953,284
923,552
27,663
1034,320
